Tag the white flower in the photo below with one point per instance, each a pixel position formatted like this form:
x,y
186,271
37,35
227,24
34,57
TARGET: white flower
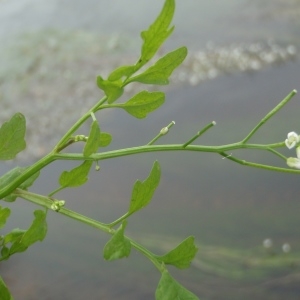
x,y
294,162
298,152
292,139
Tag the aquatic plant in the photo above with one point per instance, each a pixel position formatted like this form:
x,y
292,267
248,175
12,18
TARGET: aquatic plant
x,y
15,183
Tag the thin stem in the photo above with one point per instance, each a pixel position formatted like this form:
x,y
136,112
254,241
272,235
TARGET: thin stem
x,y
199,133
178,147
162,132
93,116
259,166
148,254
8,189
36,167
119,220
67,144
47,202
270,114
56,191
155,148
77,124
277,153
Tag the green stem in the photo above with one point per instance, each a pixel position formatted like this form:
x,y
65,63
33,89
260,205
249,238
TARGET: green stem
x,y
155,148
277,153
119,220
148,254
47,202
9,188
163,131
199,133
178,147
56,191
270,114
64,139
259,166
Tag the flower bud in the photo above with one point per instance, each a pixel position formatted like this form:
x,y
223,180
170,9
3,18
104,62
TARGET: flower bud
x,y
164,130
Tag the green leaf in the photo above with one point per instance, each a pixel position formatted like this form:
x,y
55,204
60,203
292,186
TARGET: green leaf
x,y
93,140
157,33
4,214
12,175
4,253
36,232
160,72
123,71
105,139
182,255
118,246
112,89
14,238
29,182
143,103
4,292
169,289
77,176
12,135
143,191
14,235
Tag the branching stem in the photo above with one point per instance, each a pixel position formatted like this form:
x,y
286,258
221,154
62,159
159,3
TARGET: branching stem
x,y
47,202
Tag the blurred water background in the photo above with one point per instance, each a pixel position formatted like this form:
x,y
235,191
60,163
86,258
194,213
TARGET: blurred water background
x,y
243,60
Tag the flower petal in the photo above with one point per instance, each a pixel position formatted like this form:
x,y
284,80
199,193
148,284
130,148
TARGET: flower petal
x,y
293,162
292,139
298,151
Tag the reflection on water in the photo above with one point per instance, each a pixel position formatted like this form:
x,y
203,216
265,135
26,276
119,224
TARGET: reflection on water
x,y
222,204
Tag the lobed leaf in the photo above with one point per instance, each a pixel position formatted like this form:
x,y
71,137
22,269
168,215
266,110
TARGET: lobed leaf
x,y
4,253
36,232
169,289
143,103
4,214
12,175
77,176
12,134
182,255
123,71
4,292
93,140
14,235
118,246
112,89
143,191
105,139
160,72
157,33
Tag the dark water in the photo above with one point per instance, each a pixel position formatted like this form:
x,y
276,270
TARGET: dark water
x,y
222,204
